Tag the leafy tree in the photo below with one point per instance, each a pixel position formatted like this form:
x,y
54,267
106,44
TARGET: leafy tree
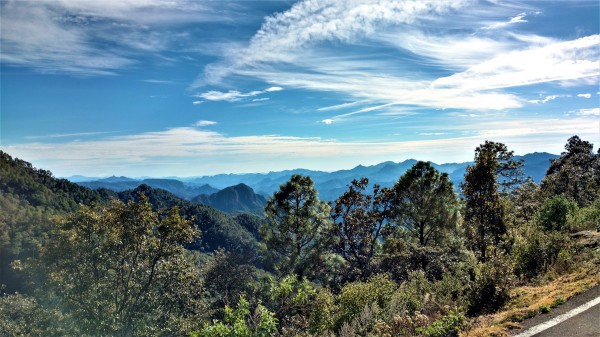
x,y
526,200
122,271
296,218
575,174
358,222
424,232
239,322
554,213
484,211
425,204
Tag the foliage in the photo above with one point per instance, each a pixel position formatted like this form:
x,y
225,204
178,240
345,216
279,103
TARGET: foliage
x,y
22,316
585,218
226,278
447,326
356,296
484,211
554,212
536,250
526,200
240,322
576,174
425,205
358,221
296,219
492,281
121,271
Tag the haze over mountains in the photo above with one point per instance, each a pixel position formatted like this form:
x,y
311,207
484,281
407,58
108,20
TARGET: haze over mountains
x,y
248,192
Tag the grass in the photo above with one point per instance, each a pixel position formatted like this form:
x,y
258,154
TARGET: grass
x,y
528,301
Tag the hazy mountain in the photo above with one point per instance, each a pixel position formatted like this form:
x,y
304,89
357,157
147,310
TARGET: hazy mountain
x,y
329,184
238,198
177,187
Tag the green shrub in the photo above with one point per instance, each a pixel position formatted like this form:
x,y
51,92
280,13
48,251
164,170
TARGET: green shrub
x,y
553,214
491,286
239,322
447,326
544,308
558,301
535,251
355,296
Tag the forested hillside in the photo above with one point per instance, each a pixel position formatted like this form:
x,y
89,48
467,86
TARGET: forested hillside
x,y
410,259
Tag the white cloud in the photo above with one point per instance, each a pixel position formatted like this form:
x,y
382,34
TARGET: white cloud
x,y
471,67
260,99
328,121
197,102
207,152
589,112
555,62
283,35
60,36
517,19
234,95
547,99
588,95
341,106
202,123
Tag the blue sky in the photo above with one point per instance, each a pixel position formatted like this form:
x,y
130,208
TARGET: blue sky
x,y
190,88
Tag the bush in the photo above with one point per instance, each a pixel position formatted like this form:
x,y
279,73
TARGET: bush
x,y
356,296
553,214
535,251
491,286
586,218
239,322
447,326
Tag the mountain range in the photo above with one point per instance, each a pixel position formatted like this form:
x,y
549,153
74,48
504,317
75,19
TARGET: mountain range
x,y
248,192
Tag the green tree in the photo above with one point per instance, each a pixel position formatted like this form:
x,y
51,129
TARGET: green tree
x,y
240,322
296,219
358,221
485,212
425,221
122,271
425,204
576,174
554,213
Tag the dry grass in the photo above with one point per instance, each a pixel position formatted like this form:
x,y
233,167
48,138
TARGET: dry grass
x,y
528,301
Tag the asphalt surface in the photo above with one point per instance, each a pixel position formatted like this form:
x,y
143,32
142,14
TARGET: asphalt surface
x,y
585,324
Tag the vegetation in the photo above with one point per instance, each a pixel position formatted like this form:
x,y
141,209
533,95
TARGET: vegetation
x,y
414,259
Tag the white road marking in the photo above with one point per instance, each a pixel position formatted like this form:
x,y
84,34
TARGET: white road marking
x,y
559,319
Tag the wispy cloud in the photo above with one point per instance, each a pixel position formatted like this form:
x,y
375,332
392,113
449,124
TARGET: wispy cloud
x,y
62,36
589,112
204,123
234,95
197,102
455,66
69,135
588,95
207,150
517,19
158,81
547,99
558,61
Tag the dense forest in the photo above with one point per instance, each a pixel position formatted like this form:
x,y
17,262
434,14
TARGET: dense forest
x,y
414,259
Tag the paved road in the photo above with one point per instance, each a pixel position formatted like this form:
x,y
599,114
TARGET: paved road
x,y
584,324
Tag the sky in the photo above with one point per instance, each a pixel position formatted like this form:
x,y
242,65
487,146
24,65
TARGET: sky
x,y
191,88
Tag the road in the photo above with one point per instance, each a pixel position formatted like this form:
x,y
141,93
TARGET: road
x,y
579,317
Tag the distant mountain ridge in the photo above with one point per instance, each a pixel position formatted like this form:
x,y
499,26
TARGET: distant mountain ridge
x,y
177,187
329,184
238,198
